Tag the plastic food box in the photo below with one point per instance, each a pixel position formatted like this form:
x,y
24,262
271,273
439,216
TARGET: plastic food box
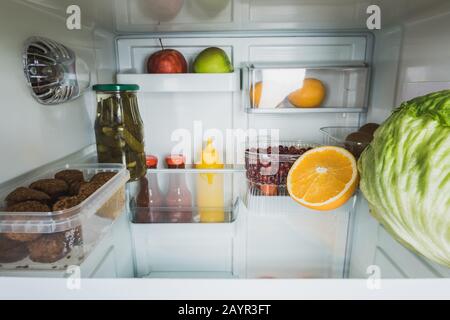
x,y
336,136
56,240
306,85
268,165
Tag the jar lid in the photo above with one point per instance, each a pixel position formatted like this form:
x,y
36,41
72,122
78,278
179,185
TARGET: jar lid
x,y
151,161
175,160
115,87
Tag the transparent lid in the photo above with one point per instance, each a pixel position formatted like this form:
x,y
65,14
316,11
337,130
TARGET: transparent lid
x,y
56,221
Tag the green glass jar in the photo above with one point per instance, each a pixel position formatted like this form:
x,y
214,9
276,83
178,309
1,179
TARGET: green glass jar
x,y
119,130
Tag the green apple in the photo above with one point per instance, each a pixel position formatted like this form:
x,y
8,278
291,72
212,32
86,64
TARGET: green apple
x,y
212,60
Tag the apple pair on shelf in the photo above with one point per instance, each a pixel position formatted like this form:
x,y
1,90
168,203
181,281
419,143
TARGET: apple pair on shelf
x,y
210,60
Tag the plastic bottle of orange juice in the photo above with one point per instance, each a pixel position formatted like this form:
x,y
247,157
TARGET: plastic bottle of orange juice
x,y
210,197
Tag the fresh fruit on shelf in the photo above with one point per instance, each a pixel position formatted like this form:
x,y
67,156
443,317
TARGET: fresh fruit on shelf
x,y
369,128
167,61
356,142
323,178
212,60
311,95
255,94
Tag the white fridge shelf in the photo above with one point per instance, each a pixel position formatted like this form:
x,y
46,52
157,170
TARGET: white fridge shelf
x,y
184,82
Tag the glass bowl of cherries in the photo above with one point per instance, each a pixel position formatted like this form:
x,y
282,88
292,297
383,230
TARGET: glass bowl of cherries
x,y
267,165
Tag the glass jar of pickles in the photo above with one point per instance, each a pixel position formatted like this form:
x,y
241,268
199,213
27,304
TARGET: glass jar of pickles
x,y
119,130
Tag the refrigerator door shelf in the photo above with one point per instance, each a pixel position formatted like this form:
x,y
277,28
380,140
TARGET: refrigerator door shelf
x,y
184,82
331,87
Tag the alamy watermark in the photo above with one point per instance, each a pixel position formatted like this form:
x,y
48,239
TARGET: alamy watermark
x,y
73,278
374,277
73,21
374,20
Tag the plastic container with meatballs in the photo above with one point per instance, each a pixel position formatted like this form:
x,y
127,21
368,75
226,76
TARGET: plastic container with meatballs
x,y
54,218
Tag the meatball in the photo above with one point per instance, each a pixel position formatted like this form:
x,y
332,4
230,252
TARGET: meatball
x,y
66,203
12,251
88,189
27,206
22,194
70,176
74,187
50,248
53,187
102,177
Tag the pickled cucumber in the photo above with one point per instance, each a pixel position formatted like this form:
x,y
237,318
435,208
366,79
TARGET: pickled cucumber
x,y
132,142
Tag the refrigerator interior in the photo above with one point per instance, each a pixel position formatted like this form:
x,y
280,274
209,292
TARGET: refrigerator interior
x,y
270,237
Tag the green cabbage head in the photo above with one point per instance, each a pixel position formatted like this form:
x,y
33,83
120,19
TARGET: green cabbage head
x,y
405,175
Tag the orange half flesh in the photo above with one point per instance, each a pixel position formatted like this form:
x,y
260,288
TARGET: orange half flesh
x,y
323,178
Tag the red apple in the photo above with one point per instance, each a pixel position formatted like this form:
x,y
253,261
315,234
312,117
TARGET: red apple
x,y
167,61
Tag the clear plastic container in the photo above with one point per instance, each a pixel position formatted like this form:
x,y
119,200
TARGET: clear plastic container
x,y
55,240
194,181
306,86
337,136
268,164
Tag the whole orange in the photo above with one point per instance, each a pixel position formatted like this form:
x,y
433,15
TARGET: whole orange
x,y
311,95
255,94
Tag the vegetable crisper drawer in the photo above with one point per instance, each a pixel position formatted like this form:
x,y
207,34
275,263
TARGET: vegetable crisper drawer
x,y
306,87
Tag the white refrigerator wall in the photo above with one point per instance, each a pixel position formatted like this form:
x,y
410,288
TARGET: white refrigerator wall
x,y
32,134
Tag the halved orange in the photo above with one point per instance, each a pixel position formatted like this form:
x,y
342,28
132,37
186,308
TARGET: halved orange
x,y
323,178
